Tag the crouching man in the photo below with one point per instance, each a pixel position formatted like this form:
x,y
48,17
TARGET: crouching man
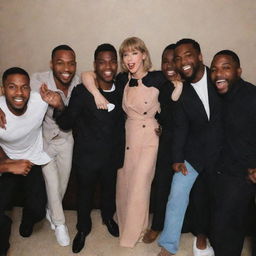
x,y
21,152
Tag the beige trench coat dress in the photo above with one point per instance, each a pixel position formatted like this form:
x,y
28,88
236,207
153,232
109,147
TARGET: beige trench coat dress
x,y
140,103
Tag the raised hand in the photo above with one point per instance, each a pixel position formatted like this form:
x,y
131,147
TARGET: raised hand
x,y
178,86
52,98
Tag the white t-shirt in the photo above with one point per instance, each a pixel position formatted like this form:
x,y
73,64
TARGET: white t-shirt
x,y
202,92
22,138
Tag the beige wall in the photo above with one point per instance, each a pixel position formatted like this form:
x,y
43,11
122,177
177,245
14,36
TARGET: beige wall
x,y
29,29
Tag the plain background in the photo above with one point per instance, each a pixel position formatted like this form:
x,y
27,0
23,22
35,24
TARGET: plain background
x,y
30,29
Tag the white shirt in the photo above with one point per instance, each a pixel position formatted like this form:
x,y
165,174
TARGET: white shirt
x,y
112,89
22,138
110,105
202,92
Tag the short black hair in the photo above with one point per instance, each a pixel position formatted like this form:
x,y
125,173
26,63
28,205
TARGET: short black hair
x,y
189,41
12,71
230,53
168,47
105,48
62,47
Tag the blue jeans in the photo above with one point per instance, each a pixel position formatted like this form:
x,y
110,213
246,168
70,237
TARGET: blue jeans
x,y
176,208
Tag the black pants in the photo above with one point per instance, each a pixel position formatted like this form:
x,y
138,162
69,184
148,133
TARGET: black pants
x,y
162,183
199,210
87,180
34,195
254,246
233,197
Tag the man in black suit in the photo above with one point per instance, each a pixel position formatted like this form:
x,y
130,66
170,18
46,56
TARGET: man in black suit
x,y
195,148
236,168
99,143
163,176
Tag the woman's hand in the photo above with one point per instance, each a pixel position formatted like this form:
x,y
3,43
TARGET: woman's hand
x,y
100,100
90,82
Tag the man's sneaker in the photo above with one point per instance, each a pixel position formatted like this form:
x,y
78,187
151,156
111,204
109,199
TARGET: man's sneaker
x,y
48,217
61,233
208,251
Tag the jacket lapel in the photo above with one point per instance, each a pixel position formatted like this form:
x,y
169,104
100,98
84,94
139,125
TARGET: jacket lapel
x,y
212,95
198,105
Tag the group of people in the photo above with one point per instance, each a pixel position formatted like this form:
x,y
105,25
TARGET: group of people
x,y
188,131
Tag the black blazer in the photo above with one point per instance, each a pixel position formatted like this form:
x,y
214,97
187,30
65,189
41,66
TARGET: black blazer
x,y
98,134
239,119
195,138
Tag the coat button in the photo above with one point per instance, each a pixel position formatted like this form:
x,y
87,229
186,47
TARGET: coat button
x,y
146,102
144,113
127,148
143,125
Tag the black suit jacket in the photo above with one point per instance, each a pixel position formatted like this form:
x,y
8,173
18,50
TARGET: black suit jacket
x,y
98,134
239,119
195,138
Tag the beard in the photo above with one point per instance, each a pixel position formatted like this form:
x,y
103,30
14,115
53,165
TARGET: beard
x,y
64,83
196,70
17,110
189,79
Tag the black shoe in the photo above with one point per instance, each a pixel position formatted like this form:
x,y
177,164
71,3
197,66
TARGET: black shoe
x,y
78,242
112,227
26,228
3,252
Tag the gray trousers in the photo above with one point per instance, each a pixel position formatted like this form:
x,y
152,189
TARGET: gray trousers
x,y
56,174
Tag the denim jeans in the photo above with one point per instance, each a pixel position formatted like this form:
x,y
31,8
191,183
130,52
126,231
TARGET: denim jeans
x,y
176,208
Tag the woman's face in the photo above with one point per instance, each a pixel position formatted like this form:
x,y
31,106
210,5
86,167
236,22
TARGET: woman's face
x,y
133,61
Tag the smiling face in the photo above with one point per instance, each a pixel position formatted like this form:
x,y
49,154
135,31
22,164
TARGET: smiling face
x,y
17,93
189,62
105,66
224,72
63,65
168,65
134,62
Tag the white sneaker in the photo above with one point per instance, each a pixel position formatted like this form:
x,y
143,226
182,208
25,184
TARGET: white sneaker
x,y
48,217
208,251
61,233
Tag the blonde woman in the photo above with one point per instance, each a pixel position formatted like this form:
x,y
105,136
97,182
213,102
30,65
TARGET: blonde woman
x,y
140,103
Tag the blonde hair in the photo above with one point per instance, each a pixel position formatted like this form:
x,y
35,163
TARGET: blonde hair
x,y
131,44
